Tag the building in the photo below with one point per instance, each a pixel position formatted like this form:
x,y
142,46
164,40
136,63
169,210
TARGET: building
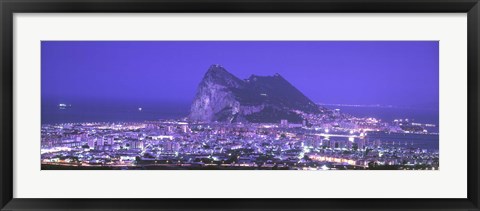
x,y
284,123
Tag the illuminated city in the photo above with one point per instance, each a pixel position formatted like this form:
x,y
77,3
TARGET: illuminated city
x,y
333,144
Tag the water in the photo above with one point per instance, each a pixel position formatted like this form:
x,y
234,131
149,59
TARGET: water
x,y
422,141
388,114
112,112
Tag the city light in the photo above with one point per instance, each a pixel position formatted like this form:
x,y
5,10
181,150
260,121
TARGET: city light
x,y
171,144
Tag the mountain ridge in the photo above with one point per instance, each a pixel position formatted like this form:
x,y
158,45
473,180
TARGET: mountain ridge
x,y
223,97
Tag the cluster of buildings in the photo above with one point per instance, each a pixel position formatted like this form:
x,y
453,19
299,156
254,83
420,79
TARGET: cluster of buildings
x,y
318,143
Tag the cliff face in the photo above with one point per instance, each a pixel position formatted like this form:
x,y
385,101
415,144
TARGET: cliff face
x,y
223,97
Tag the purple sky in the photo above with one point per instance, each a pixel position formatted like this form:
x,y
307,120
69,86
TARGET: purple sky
x,y
401,73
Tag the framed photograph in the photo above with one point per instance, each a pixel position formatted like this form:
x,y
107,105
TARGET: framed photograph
x,y
252,105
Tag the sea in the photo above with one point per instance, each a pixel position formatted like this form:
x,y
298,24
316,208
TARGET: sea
x,y
128,111
389,114
112,112
422,141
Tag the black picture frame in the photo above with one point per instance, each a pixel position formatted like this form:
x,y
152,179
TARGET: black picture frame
x,y
9,7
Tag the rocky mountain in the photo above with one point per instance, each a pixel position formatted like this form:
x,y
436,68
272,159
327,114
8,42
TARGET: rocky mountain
x,y
225,98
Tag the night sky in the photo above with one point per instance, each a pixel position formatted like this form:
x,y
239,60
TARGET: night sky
x,y
399,73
